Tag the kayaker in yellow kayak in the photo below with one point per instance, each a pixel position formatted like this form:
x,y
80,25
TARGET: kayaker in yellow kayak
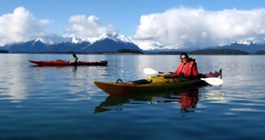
x,y
74,59
187,67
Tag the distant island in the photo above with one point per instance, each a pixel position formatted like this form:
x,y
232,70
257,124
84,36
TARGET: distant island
x,y
219,51
130,51
3,51
262,52
232,49
210,51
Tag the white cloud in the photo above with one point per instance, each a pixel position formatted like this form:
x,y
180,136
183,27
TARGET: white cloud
x,y
20,26
88,27
184,27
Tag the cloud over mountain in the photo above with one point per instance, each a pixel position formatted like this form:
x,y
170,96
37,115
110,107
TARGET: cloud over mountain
x,y
185,27
87,27
20,26
172,29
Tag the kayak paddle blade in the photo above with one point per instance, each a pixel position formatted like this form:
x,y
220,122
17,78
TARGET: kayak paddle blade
x,y
149,71
213,81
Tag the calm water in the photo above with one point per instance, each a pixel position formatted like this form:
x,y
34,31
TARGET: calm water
x,y
63,103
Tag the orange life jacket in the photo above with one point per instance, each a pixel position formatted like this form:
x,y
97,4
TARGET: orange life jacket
x,y
188,69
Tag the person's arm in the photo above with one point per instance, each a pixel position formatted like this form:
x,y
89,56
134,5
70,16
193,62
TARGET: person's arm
x,y
177,72
195,70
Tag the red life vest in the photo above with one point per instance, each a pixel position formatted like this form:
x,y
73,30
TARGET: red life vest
x,y
188,69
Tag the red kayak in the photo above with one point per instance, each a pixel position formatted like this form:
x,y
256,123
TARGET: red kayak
x,y
66,63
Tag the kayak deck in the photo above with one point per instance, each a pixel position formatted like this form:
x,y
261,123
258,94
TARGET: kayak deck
x,y
66,63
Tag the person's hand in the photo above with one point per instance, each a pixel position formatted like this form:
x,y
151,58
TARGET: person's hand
x,y
181,76
168,76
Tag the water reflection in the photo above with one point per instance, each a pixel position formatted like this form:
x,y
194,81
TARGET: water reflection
x,y
215,95
186,98
16,90
13,87
74,79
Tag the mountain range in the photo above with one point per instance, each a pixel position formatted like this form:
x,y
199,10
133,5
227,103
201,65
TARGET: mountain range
x,y
249,47
107,43
111,43
236,48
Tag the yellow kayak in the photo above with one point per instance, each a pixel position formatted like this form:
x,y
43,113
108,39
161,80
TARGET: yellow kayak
x,y
150,84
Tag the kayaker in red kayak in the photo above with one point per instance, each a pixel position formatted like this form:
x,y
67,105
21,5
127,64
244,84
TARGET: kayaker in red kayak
x,y
74,59
187,67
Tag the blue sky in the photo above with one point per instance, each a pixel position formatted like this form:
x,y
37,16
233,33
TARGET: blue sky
x,y
123,16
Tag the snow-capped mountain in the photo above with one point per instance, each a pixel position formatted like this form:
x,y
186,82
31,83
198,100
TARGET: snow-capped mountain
x,y
112,42
114,37
56,39
243,42
245,46
59,44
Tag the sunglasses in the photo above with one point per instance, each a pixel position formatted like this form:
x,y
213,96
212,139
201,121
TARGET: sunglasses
x,y
183,58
